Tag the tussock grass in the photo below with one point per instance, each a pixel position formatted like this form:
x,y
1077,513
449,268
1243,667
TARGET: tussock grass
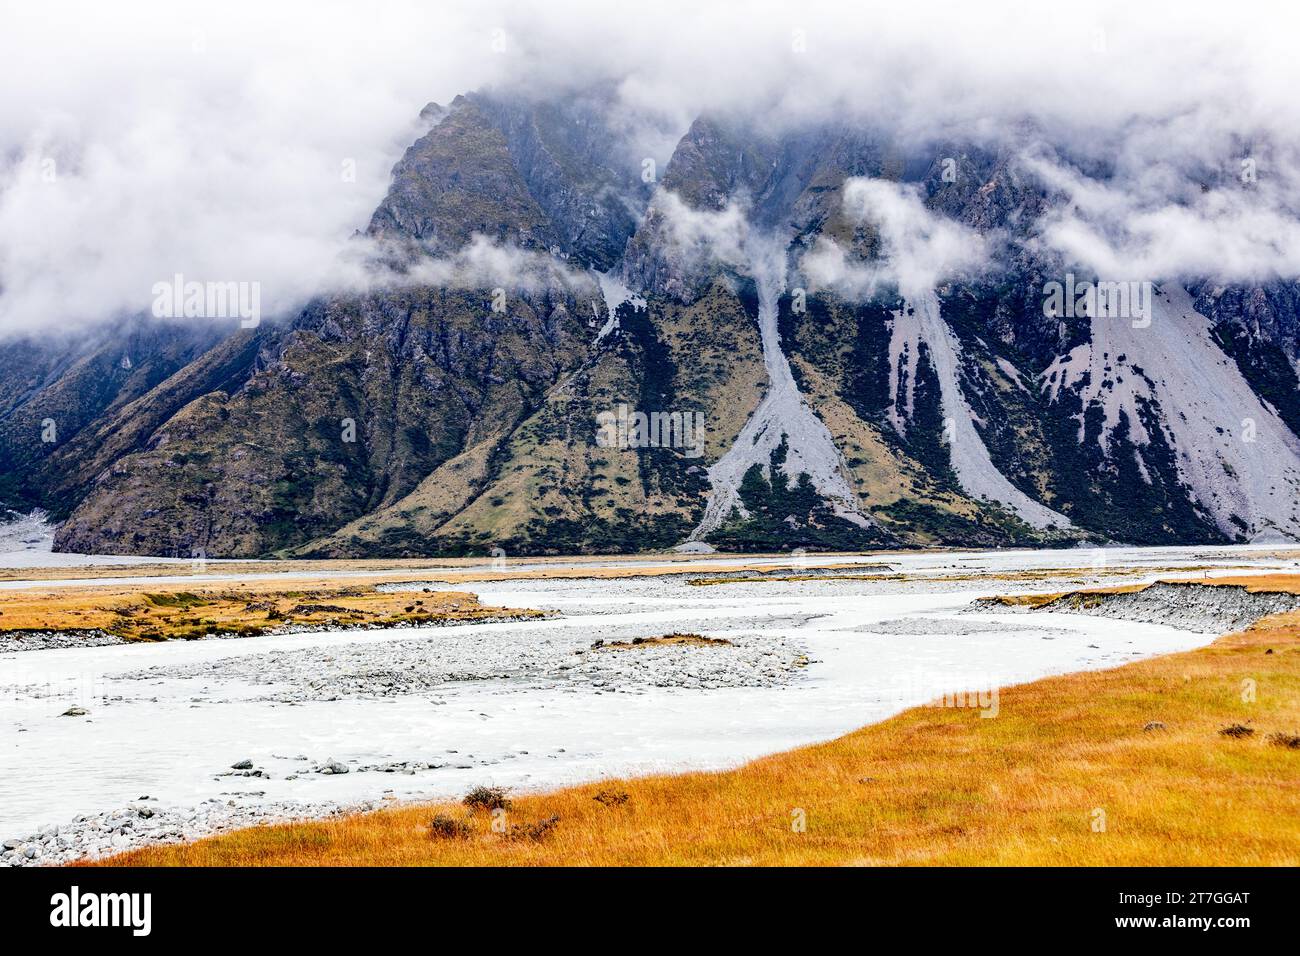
x,y
487,798
667,640
930,786
444,827
243,609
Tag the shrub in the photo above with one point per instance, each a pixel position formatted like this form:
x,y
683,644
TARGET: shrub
x,y
534,831
443,827
487,798
181,599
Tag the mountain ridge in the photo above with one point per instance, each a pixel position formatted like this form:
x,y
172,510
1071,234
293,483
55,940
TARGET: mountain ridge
x,y
816,295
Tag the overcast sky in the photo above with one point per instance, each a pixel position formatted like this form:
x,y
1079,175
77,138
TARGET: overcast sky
x,y
210,139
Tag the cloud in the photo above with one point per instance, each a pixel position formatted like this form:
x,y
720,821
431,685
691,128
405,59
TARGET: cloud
x,y
918,248
703,235
1154,226
240,145
481,264
212,139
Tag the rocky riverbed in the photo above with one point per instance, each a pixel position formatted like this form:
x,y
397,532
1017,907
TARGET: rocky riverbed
x,y
546,659
1205,608
432,662
145,822
15,643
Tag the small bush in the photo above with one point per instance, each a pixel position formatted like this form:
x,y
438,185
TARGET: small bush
x,y
611,798
181,599
1289,741
487,798
443,827
537,832
1238,731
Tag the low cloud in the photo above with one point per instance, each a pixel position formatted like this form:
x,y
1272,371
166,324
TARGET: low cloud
x,y
703,235
1239,228
918,249
481,264
248,141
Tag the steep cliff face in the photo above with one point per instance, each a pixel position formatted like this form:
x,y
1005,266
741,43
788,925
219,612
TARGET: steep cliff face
x,y
63,399
346,411
554,177
547,483
457,181
837,339
579,168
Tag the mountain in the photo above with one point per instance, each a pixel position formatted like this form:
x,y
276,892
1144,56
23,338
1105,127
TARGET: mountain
x,y
846,336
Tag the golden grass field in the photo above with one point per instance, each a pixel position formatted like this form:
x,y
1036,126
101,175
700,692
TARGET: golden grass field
x,y
159,613
1070,772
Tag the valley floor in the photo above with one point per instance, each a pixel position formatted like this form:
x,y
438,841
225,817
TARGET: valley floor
x,y
181,740
1126,766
